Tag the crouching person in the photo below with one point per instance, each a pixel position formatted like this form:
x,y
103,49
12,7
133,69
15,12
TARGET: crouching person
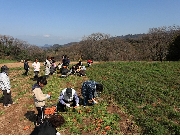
x,y
39,98
90,90
49,126
68,97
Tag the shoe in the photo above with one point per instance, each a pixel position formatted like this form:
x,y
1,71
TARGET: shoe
x,y
36,124
6,106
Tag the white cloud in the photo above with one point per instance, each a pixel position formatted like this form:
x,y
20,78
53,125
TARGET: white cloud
x,y
46,35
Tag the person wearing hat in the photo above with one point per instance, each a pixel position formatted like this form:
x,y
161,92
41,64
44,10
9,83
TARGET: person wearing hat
x,y
68,97
5,86
90,90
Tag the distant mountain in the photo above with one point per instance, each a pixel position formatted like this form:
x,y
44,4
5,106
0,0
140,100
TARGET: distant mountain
x,y
47,45
69,44
131,36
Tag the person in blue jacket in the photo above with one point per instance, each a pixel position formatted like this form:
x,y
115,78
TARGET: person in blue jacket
x,y
90,90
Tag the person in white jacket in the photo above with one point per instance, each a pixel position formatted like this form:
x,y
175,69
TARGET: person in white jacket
x,y
5,86
68,97
47,65
36,65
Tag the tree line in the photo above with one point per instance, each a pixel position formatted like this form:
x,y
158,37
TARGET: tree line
x,y
159,44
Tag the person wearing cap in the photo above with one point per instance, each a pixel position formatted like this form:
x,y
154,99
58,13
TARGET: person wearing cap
x,y
68,97
5,86
90,90
39,98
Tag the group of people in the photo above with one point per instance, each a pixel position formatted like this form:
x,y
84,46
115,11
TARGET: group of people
x,y
50,67
68,96
77,69
63,67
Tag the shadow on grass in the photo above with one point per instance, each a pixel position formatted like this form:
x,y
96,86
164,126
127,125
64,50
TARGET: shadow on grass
x,y
1,99
30,115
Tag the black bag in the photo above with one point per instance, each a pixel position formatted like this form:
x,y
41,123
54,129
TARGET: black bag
x,y
45,128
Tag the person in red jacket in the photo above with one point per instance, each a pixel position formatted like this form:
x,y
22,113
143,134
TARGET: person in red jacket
x,y
89,62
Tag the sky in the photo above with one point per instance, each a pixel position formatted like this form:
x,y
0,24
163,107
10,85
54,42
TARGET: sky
x,y
40,22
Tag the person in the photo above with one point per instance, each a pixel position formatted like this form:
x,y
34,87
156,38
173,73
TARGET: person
x,y
68,97
65,71
48,127
68,61
39,98
53,67
36,66
5,86
73,69
80,60
47,65
26,67
90,90
65,61
89,62
80,70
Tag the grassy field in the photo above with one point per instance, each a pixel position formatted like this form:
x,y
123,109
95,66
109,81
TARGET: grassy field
x,y
147,92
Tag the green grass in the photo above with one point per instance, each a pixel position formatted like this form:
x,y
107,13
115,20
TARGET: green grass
x,y
146,91
149,91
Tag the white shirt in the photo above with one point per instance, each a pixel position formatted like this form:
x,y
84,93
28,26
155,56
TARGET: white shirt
x,y
36,66
4,82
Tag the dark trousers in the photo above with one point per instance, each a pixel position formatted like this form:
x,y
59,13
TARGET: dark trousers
x,y
36,74
62,107
26,72
7,98
40,115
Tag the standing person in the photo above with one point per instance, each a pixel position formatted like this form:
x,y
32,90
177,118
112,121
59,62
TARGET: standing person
x,y
90,90
36,66
68,97
81,60
47,65
26,67
65,61
5,86
39,98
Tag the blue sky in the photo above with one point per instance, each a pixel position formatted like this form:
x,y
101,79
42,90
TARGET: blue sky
x,y
41,22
